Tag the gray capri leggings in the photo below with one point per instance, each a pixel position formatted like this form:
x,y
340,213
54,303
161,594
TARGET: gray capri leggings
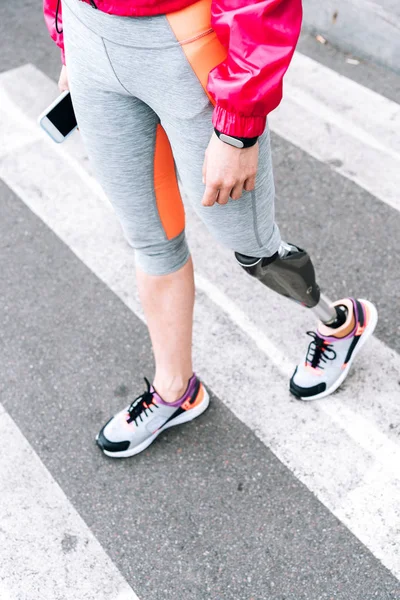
x,y
145,119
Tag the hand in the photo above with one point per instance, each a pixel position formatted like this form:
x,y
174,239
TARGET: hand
x,y
227,171
63,79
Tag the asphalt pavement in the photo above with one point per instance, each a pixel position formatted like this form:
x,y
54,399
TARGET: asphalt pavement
x,y
262,497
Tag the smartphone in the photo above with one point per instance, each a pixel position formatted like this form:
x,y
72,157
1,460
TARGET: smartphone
x,y
58,120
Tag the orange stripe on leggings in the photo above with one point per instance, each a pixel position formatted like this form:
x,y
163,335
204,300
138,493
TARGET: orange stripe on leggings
x,y
203,53
168,197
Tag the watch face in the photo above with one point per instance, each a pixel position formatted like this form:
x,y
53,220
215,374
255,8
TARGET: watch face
x,y
231,140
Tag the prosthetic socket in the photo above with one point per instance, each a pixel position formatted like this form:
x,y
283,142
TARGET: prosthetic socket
x,y
289,272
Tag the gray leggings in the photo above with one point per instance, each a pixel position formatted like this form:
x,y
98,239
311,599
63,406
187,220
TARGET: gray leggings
x,y
145,118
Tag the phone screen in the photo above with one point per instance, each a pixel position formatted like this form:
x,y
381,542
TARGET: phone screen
x,y
62,116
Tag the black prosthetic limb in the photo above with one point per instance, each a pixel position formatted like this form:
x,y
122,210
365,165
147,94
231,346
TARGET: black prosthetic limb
x,y
290,273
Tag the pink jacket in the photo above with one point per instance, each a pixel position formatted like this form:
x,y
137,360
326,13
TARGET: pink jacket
x,y
260,37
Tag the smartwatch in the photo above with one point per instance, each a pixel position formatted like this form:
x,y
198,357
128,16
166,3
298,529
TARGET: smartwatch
x,y
238,142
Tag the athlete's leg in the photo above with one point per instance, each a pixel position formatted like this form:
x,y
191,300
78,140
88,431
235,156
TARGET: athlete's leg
x,y
168,304
132,160
247,225
290,272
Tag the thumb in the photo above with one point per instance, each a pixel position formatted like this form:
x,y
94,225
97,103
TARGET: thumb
x,y
204,170
63,79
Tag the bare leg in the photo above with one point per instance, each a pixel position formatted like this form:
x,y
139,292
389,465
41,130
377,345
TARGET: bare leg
x,y
168,302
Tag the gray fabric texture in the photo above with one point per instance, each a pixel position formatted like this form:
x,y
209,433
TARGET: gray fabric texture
x,y
127,75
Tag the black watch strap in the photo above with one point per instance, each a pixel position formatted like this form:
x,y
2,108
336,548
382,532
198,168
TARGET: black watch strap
x,y
238,142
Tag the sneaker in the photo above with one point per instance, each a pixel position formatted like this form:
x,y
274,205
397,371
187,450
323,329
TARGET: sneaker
x,y
332,351
135,428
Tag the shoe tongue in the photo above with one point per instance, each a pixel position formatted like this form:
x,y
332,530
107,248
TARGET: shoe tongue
x,y
156,397
328,338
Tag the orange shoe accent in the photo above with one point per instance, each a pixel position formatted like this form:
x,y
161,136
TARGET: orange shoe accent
x,y
192,29
344,365
187,406
360,330
168,197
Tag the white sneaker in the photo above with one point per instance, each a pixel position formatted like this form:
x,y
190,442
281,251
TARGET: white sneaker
x,y
137,426
329,357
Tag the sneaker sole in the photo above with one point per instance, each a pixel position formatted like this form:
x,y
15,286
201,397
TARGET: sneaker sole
x,y
369,330
183,418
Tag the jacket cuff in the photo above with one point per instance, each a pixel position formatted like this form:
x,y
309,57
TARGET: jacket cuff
x,y
235,124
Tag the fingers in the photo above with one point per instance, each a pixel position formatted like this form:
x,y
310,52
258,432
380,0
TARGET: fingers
x,y
221,192
204,171
211,192
62,86
237,190
63,80
218,192
210,195
250,184
224,193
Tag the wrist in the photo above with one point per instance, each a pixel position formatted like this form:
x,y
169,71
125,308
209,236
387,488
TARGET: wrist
x,y
236,141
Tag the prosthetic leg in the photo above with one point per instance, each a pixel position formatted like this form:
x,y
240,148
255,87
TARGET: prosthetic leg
x,y
345,326
290,272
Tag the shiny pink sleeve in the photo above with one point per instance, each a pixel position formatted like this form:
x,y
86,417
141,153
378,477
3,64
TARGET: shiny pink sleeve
x,y
260,37
49,10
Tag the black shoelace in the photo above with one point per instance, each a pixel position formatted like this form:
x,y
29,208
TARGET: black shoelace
x,y
319,351
141,404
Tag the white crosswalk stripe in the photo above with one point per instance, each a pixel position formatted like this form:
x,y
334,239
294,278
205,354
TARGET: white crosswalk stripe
x,y
347,439
343,124
47,550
